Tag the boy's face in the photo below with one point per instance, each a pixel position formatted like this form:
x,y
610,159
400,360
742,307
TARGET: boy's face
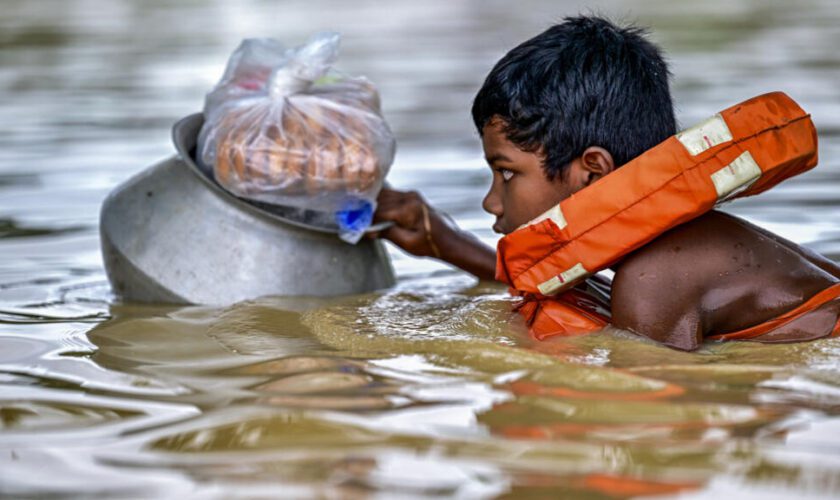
x,y
520,191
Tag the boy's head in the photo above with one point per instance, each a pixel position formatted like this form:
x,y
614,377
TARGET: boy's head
x,y
565,108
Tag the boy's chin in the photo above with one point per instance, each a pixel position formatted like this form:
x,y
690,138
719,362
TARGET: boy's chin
x,y
501,228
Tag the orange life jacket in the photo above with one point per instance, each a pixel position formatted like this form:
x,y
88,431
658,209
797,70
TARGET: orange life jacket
x,y
741,151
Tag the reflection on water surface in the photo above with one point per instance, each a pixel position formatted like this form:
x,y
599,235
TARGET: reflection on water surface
x,y
429,389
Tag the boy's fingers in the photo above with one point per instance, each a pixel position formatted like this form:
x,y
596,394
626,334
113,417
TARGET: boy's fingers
x,y
405,238
390,197
402,220
394,197
405,210
386,194
400,214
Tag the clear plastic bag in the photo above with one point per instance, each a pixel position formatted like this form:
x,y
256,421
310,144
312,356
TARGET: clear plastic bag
x,y
282,128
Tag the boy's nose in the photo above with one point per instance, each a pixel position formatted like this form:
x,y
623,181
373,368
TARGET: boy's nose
x,y
492,203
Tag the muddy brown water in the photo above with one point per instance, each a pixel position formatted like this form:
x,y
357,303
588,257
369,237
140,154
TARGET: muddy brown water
x,y
427,390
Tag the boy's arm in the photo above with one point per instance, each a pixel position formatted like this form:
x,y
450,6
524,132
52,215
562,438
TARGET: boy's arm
x,y
656,291
668,316
412,216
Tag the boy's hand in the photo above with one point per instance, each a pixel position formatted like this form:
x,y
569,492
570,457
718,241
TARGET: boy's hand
x,y
417,227
422,231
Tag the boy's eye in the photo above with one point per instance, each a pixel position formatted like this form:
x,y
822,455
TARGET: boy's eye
x,y
506,174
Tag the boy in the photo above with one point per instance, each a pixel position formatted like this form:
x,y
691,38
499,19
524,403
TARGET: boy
x,y
565,109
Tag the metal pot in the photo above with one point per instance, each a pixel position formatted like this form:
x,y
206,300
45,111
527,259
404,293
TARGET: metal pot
x,y
171,234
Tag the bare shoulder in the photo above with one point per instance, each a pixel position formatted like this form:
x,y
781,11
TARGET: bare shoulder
x,y
716,273
655,291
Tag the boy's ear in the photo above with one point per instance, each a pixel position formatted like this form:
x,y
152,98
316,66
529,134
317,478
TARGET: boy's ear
x,y
595,162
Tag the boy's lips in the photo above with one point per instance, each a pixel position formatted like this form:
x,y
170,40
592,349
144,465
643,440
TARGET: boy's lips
x,y
497,227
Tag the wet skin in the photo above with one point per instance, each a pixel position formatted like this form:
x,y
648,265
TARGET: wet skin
x,y
713,275
720,274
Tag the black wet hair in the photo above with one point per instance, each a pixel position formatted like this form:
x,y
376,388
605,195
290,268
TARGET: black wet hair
x,y
584,82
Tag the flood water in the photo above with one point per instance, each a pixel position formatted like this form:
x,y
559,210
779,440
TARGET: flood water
x,y
431,389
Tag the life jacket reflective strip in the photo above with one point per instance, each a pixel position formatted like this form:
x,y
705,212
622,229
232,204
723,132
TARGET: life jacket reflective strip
x,y
741,151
